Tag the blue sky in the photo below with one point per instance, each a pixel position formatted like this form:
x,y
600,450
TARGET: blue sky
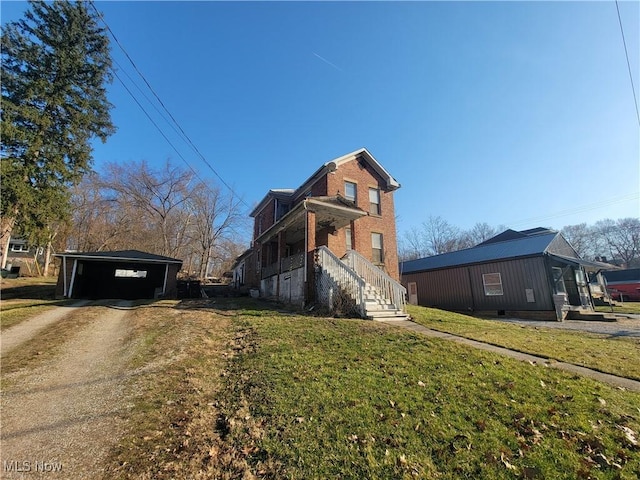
x,y
510,113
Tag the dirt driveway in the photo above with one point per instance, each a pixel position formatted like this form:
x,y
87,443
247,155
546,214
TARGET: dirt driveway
x,y
60,419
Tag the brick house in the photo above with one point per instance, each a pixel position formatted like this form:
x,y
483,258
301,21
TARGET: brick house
x,y
331,241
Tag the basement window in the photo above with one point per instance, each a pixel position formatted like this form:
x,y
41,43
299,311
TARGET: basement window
x,y
492,284
123,273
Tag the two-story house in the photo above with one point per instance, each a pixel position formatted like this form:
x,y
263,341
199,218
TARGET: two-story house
x,y
331,241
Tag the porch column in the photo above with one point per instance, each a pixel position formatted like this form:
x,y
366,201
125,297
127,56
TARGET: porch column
x,y
282,245
310,280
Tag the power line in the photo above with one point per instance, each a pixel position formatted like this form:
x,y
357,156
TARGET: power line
x,y
175,122
626,53
580,209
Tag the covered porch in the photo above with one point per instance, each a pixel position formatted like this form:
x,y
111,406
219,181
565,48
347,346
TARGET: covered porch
x,y
286,250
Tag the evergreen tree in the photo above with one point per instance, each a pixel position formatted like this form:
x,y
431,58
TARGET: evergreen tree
x,y
55,67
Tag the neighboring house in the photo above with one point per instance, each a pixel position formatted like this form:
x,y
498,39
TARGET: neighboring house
x,y
126,274
623,285
533,273
329,242
22,257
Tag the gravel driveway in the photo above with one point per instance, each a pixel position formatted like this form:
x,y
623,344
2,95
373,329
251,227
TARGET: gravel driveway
x,y
623,327
60,419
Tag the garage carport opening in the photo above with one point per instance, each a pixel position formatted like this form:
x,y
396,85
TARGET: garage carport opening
x,y
127,274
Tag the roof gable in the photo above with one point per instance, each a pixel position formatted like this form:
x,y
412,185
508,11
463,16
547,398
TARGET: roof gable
x,y
361,155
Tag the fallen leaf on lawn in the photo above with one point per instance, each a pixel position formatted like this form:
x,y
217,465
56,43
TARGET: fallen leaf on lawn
x,y
629,434
506,463
421,383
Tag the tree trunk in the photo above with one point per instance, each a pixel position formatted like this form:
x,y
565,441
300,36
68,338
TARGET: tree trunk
x,y
47,259
6,228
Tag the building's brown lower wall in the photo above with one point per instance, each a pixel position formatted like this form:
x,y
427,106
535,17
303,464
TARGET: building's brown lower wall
x,y
523,314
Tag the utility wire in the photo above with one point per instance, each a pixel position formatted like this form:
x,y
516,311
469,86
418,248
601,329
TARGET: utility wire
x,y
580,209
624,42
157,126
185,136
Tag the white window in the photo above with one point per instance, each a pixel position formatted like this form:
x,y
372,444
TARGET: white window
x,y
374,201
376,248
122,273
492,284
19,248
347,237
558,280
350,191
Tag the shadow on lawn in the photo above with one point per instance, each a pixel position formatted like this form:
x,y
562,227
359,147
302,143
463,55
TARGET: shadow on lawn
x,y
249,306
28,292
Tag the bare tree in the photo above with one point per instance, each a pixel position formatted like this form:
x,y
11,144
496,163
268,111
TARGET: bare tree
x,y
482,231
159,200
412,245
215,217
621,238
581,238
440,236
99,222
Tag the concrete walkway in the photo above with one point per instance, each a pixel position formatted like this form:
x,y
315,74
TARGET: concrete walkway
x,y
626,383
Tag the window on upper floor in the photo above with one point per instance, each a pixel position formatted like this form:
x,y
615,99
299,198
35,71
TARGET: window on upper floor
x,y
377,255
281,209
374,201
19,248
350,191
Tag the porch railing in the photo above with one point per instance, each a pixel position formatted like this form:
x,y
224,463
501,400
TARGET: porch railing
x,y
292,262
286,265
336,274
270,270
383,283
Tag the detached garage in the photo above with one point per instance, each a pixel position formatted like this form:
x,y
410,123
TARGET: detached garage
x,y
126,274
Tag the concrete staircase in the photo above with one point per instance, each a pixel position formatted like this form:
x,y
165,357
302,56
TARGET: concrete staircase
x,y
376,295
377,307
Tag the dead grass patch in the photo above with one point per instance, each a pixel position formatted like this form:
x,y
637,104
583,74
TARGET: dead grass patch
x,y
178,427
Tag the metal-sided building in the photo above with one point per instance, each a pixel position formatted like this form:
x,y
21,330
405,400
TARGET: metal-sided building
x,y
533,273
126,274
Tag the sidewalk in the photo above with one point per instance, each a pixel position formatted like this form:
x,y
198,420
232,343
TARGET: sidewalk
x,y
626,383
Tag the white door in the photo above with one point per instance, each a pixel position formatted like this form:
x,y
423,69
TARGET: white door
x,y
413,293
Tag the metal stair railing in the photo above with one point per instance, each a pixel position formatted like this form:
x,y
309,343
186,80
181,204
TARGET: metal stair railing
x,y
376,277
342,275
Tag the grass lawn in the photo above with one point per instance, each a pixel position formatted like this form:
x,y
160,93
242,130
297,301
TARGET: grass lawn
x,y
619,355
626,307
237,390
24,297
